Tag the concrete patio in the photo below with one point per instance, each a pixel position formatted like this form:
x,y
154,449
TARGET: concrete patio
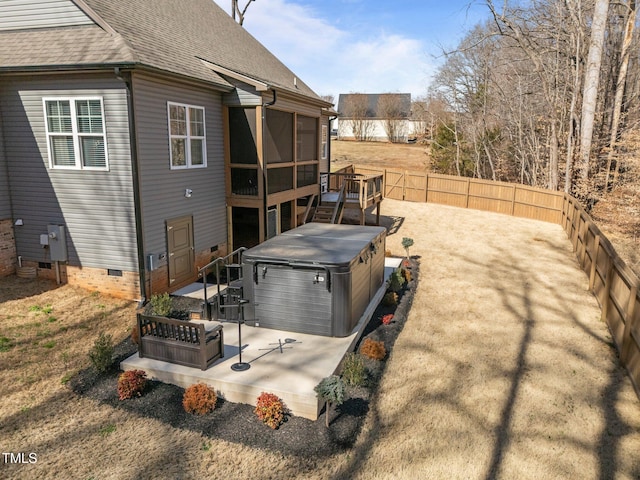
x,y
287,364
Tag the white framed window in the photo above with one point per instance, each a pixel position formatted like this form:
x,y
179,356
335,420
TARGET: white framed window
x,y
76,133
324,142
187,142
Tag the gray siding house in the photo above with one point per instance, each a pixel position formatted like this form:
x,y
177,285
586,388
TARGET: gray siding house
x,y
140,139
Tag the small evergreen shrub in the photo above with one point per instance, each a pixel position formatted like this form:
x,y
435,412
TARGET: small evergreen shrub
x,y
270,409
396,281
353,370
387,319
331,391
373,349
199,399
406,243
390,299
131,384
161,304
102,352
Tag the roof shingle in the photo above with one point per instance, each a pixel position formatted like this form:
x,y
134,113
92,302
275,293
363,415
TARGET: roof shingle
x,y
171,35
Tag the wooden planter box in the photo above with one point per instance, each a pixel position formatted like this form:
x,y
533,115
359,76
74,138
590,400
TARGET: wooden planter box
x,y
190,343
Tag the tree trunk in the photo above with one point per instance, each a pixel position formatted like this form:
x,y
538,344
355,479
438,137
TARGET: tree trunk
x,y
620,86
591,82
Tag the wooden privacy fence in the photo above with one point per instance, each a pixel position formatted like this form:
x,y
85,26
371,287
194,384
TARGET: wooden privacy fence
x,y
614,285
612,282
500,197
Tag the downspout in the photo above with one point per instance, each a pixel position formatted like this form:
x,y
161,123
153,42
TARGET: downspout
x,y
331,119
135,173
264,161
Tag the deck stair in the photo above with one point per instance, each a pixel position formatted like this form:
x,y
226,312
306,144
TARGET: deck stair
x,y
330,211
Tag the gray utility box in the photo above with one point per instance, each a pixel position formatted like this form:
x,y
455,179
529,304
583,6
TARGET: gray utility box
x,y
317,279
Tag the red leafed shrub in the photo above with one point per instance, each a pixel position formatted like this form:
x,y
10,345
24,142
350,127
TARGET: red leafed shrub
x,y
199,398
387,319
372,349
131,384
270,409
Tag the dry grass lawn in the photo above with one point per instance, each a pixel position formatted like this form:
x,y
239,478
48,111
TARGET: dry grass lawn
x,y
402,156
503,370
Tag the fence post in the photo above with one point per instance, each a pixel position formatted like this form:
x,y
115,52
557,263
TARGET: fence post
x,y
513,201
583,249
594,261
607,292
626,338
384,183
468,188
426,187
576,225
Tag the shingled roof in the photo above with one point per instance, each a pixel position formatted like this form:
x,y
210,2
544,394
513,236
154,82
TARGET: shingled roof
x,y
168,35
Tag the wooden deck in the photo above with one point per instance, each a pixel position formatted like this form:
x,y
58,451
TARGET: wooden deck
x,y
361,191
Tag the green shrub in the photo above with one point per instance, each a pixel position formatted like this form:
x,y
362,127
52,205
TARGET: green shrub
x,y
373,349
406,243
331,391
353,370
161,304
396,280
102,352
131,384
390,299
270,409
199,399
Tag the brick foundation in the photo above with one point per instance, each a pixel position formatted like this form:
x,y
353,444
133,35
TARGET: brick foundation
x,y
8,255
126,286
97,279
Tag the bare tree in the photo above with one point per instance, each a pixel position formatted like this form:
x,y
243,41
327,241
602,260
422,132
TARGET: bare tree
x,y
358,115
620,88
328,98
591,82
238,12
394,116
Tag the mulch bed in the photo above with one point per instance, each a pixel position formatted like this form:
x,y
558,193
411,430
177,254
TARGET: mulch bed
x,y
236,422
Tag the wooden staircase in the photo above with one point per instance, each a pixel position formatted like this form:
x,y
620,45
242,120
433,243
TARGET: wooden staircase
x,y
330,212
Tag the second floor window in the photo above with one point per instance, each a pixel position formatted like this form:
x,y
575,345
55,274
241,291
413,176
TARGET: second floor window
x,y
187,142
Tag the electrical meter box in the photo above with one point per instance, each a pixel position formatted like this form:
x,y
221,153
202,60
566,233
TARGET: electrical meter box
x,y
57,243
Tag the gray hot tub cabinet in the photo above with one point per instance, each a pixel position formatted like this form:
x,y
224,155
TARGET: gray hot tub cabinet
x,y
317,279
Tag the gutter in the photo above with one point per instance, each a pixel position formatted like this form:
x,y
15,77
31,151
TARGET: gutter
x,y
135,173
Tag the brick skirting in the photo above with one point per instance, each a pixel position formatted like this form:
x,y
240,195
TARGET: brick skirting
x,y
8,256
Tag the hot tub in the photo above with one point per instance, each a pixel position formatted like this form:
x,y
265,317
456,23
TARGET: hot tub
x,y
316,279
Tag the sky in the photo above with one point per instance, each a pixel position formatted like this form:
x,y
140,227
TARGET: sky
x,y
367,46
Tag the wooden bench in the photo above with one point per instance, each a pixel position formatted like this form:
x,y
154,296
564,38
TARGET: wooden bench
x,y
193,343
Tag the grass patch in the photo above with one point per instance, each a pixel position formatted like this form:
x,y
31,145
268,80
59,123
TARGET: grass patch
x,y
107,430
5,344
49,344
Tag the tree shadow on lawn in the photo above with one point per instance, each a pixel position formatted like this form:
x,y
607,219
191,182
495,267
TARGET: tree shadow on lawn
x,y
237,423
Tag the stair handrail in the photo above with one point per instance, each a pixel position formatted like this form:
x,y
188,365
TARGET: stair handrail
x,y
339,202
202,272
308,209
